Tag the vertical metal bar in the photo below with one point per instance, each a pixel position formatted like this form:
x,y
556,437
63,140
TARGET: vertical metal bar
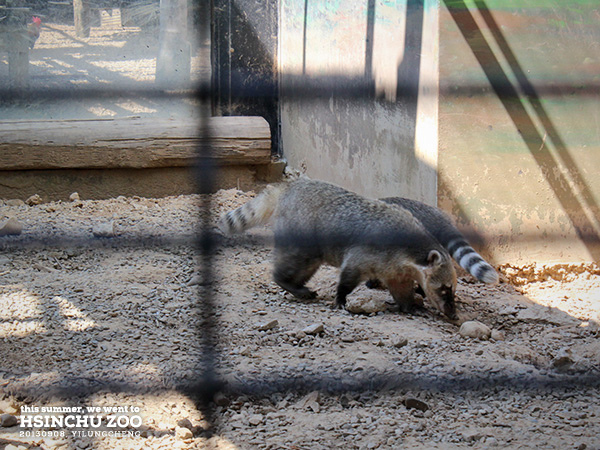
x,y
370,38
208,380
304,37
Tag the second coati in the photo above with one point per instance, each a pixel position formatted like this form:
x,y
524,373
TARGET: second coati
x,y
439,224
317,222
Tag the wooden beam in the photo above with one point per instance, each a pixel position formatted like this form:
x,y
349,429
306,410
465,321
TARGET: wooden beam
x,y
18,61
82,19
130,143
173,62
14,40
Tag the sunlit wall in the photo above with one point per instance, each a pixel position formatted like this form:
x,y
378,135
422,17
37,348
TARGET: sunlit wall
x,y
519,126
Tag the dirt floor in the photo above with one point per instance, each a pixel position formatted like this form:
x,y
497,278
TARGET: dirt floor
x,y
101,296
121,58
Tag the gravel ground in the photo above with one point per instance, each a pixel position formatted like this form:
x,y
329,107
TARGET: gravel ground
x,y
99,307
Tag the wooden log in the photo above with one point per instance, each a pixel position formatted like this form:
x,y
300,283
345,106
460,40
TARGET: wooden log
x,y
131,143
18,61
82,18
14,39
173,62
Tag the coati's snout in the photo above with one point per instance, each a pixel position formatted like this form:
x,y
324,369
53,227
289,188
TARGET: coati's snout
x,y
443,299
439,283
446,294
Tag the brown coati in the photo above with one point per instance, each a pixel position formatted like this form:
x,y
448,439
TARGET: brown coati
x,y
317,222
439,224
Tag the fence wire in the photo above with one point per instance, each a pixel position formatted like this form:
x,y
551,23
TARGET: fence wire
x,y
209,380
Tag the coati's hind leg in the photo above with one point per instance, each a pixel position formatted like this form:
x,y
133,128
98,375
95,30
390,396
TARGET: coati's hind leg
x,y
292,270
403,292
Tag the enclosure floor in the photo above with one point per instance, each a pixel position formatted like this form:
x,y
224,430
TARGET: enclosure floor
x,y
121,59
115,321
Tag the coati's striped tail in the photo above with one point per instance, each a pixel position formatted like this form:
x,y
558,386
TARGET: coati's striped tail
x,y
256,212
471,261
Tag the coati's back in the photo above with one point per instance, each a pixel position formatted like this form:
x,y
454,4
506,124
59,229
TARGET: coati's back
x,y
335,219
439,224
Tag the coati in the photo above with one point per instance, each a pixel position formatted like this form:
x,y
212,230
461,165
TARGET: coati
x,y
316,222
439,224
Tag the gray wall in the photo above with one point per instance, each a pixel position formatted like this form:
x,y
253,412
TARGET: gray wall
x,y
382,145
519,121
490,109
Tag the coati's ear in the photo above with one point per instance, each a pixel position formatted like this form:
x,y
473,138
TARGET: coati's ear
x,y
434,258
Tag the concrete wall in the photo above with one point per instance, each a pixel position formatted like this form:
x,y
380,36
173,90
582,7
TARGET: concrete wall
x,y
378,146
507,139
519,126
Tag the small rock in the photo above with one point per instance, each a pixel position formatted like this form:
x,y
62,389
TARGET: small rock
x,y
311,401
344,401
16,447
11,227
491,441
15,202
471,435
256,419
399,341
196,280
313,329
43,268
563,359
497,335
475,329
370,305
220,399
413,403
7,407
7,420
74,197
35,199
185,423
144,430
104,229
508,310
267,325
183,433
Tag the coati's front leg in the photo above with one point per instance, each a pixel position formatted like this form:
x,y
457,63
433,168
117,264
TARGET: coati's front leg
x,y
293,269
350,277
403,293
374,283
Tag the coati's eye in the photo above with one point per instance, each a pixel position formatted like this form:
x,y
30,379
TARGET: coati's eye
x,y
445,292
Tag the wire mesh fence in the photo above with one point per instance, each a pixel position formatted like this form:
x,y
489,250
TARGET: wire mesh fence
x,y
209,381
